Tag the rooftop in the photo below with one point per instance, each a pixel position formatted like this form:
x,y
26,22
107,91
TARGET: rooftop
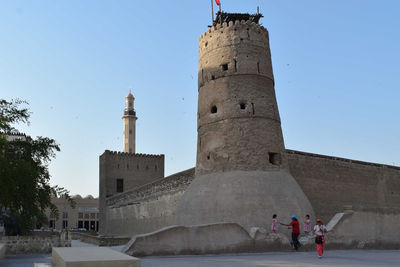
x,y
227,17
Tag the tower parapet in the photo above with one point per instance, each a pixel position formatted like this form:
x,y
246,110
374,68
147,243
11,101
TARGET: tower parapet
x,y
233,49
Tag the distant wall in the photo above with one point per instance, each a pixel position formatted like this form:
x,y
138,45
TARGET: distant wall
x,y
331,182
99,240
35,243
146,208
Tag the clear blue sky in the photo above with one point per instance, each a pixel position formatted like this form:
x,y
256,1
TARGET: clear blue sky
x,y
336,66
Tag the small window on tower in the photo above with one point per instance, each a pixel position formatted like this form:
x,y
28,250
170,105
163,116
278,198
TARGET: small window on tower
x,y
214,109
120,185
275,158
224,67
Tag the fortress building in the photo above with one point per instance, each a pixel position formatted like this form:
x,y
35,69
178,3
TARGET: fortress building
x,y
243,172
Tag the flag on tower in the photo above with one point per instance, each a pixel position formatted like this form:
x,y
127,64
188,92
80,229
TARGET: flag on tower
x,y
218,2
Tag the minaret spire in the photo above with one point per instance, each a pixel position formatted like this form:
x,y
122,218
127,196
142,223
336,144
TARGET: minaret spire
x,y
129,118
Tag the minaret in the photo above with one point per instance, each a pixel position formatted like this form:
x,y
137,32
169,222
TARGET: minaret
x,y
242,173
129,119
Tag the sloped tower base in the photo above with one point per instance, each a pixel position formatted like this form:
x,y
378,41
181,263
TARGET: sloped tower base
x,y
248,198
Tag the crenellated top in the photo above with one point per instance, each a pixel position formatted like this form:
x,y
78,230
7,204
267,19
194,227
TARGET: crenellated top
x,y
237,48
244,31
119,153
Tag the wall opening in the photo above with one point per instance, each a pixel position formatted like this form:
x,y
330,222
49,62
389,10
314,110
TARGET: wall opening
x,y
258,67
275,158
208,157
242,106
252,106
120,185
212,77
224,67
235,61
214,109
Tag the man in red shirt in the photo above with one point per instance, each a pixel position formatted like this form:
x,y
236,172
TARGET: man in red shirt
x,y
295,232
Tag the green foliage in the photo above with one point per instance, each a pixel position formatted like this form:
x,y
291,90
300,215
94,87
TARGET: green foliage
x,y
25,192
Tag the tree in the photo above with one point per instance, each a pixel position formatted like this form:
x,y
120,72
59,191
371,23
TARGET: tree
x,y
25,192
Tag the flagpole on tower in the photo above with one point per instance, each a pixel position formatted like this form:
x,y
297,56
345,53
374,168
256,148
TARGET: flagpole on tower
x,y
220,13
212,12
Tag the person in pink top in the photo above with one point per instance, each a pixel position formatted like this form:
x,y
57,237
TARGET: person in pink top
x,y
307,225
274,225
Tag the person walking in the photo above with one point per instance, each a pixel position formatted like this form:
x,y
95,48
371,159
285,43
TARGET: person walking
x,y
320,231
274,224
307,225
295,232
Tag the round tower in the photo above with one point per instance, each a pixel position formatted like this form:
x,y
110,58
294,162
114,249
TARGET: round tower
x,y
238,120
242,173
129,118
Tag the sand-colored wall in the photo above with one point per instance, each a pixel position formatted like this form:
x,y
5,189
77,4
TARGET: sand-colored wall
x,y
148,208
365,228
331,183
135,169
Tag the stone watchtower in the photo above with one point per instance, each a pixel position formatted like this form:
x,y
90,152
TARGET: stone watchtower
x,y
129,119
242,173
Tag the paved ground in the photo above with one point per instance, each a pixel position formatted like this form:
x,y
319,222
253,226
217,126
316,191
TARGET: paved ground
x,y
347,258
284,259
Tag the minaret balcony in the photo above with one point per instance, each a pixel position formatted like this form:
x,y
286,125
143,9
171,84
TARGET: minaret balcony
x,y
130,113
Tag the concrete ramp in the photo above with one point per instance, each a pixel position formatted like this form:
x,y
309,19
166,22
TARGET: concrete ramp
x,y
364,228
204,239
92,257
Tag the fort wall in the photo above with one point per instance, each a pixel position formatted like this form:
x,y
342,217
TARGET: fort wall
x,y
328,182
365,228
147,208
331,182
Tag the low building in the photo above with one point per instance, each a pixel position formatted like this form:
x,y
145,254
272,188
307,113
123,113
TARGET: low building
x,y
84,215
